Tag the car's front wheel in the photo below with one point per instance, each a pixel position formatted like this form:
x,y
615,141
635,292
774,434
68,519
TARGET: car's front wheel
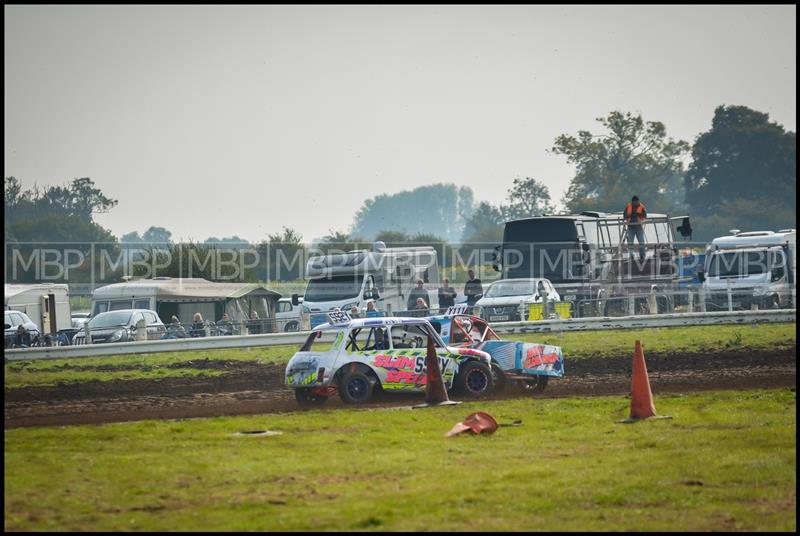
x,y
305,397
355,388
474,379
291,326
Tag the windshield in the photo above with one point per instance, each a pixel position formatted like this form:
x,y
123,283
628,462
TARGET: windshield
x,y
742,263
511,288
336,288
107,320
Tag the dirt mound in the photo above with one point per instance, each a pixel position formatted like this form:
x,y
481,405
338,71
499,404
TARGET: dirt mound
x,y
251,388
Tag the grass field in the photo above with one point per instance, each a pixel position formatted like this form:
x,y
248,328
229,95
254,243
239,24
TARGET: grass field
x,y
576,345
725,461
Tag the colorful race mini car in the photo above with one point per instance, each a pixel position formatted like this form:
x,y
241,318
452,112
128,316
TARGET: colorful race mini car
x,y
380,353
529,365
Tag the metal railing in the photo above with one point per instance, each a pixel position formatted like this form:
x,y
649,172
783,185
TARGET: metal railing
x,y
297,338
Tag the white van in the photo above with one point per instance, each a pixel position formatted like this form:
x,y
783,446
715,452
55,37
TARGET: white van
x,y
384,275
757,267
289,316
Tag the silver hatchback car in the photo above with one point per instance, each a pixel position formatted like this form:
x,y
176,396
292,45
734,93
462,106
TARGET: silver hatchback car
x,y
123,326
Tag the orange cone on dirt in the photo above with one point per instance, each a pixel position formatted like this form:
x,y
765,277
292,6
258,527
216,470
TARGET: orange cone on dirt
x,y
435,391
641,396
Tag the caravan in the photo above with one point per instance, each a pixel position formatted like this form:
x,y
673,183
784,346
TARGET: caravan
x,y
745,269
385,275
47,304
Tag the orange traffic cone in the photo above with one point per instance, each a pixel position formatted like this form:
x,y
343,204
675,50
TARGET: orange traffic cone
x,y
435,391
642,405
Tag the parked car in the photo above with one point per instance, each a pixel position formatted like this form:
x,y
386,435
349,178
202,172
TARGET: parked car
x,y
380,353
288,316
79,318
528,365
13,320
508,299
121,326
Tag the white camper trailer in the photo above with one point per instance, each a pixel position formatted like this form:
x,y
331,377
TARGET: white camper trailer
x,y
384,275
757,267
47,304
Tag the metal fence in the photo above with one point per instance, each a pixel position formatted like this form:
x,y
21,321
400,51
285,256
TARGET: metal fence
x,y
507,328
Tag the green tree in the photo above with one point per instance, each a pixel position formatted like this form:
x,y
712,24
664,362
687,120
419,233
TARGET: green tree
x,y
486,223
634,157
743,173
157,235
443,208
526,198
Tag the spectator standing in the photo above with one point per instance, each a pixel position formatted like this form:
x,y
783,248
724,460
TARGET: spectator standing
x,y
635,216
447,295
417,293
473,288
354,312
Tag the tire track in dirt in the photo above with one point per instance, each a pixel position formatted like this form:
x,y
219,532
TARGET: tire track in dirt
x,y
249,388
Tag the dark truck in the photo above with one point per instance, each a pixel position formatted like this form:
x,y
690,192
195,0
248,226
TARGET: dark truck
x,y
587,260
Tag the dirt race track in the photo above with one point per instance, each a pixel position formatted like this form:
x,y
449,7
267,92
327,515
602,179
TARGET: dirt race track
x,y
250,388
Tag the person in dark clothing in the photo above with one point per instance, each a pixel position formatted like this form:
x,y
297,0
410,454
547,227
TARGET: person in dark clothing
x,y
473,288
421,308
415,293
198,328
225,326
635,216
22,339
447,295
254,325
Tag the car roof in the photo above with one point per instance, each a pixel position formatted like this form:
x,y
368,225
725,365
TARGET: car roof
x,y
129,311
374,321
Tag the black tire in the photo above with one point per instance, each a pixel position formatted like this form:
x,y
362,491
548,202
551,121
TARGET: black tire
x,y
474,379
306,397
355,388
499,380
291,326
535,385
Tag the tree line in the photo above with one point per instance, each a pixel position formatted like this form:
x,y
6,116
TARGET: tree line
x,y
740,173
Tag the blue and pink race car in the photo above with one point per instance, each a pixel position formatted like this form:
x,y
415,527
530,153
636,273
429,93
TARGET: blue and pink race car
x,y
528,365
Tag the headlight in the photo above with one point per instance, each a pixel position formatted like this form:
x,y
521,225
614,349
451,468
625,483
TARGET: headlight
x,y
759,291
119,335
346,308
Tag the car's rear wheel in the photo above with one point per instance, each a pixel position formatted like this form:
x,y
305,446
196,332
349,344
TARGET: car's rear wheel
x,y
499,380
355,387
305,397
534,385
473,379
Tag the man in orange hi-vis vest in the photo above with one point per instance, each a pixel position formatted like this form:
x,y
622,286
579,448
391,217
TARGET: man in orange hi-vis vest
x,y
635,216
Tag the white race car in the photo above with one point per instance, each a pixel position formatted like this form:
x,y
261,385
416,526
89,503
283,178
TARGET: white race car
x,y
380,353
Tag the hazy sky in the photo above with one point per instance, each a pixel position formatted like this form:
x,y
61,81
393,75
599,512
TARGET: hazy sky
x,y
238,120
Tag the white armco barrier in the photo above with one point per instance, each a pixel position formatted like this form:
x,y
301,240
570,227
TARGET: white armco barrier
x,y
297,338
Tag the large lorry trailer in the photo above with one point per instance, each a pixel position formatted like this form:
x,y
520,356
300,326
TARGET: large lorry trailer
x,y
590,264
747,269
